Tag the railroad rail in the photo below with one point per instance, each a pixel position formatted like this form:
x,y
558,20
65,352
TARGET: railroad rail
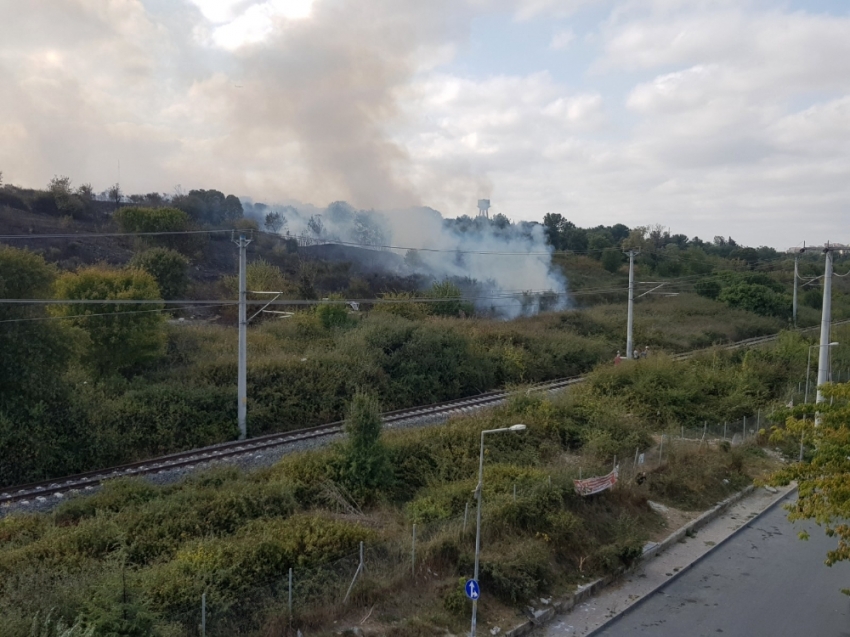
x,y
88,481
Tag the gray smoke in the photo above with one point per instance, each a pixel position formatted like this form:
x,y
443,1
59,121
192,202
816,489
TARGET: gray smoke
x,y
504,268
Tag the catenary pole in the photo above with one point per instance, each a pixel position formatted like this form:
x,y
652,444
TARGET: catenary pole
x,y
795,292
823,360
242,380
631,315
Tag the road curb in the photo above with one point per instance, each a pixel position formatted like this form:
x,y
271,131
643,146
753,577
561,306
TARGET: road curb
x,y
587,591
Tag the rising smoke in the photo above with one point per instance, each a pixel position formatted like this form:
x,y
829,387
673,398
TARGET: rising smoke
x,y
504,268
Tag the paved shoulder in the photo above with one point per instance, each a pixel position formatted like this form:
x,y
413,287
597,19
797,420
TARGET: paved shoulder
x,y
763,581
733,593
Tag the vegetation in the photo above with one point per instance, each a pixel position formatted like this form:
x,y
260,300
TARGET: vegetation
x,y
135,558
823,473
120,337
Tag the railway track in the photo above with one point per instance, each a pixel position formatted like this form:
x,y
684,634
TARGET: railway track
x,y
40,492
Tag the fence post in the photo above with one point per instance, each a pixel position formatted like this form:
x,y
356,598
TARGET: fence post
x,y
745,430
413,553
683,432
724,430
661,450
203,614
360,568
634,464
758,420
465,516
514,491
290,596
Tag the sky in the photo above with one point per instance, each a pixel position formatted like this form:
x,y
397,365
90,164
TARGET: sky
x,y
711,117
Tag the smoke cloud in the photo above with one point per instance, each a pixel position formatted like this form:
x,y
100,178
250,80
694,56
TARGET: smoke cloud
x,y
504,268
275,98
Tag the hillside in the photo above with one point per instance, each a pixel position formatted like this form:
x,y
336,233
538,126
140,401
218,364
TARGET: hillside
x,y
94,385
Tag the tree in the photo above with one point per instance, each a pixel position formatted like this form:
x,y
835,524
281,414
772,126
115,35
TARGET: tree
x,y
315,225
333,314
121,337
209,206
66,202
34,353
263,276
453,306
823,478
275,222
59,185
86,191
115,195
708,288
168,267
612,259
152,220
365,466
38,435
756,298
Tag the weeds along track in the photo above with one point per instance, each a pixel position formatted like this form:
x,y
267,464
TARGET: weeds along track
x,y
40,492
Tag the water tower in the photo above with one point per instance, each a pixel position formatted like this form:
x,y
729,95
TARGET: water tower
x,y
484,208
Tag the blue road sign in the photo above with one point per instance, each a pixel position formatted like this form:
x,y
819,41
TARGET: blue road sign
x,y
472,590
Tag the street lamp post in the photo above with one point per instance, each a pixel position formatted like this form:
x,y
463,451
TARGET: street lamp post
x,y
809,364
479,494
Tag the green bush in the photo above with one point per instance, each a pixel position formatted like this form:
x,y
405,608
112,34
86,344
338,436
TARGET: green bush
x,y
364,463
157,419
518,577
756,298
708,288
168,267
333,315
12,200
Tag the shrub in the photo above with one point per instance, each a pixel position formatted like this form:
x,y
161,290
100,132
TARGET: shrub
x,y
708,288
12,200
756,298
161,418
120,340
333,314
612,259
168,267
365,466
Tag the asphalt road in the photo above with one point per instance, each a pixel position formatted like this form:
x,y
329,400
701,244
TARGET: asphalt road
x,y
764,581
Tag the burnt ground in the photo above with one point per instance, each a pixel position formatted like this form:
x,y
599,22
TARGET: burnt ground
x,y
330,268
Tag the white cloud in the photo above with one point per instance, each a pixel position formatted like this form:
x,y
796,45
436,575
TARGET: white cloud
x,y
562,39
710,117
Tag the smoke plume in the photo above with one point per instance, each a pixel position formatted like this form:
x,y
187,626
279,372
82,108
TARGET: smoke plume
x,y
505,269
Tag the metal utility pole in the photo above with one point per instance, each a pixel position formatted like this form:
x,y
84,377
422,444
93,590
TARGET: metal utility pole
x,y
795,292
478,495
630,346
823,360
242,381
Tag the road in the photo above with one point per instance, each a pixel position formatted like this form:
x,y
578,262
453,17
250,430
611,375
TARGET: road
x,y
764,581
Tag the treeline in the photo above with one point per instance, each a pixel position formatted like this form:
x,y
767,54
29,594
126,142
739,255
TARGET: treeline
x,y
61,198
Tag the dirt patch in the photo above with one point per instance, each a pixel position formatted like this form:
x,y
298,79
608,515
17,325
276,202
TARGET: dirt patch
x,y
673,519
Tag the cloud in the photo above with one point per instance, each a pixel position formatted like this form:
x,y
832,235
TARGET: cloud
x,y
710,116
282,97
562,39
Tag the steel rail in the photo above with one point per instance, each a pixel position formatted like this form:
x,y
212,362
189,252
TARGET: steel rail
x,y
87,481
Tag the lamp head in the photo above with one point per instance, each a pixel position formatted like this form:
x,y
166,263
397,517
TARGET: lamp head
x,y
835,344
517,428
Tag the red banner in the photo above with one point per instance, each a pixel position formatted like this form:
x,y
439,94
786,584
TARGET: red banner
x,y
589,486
